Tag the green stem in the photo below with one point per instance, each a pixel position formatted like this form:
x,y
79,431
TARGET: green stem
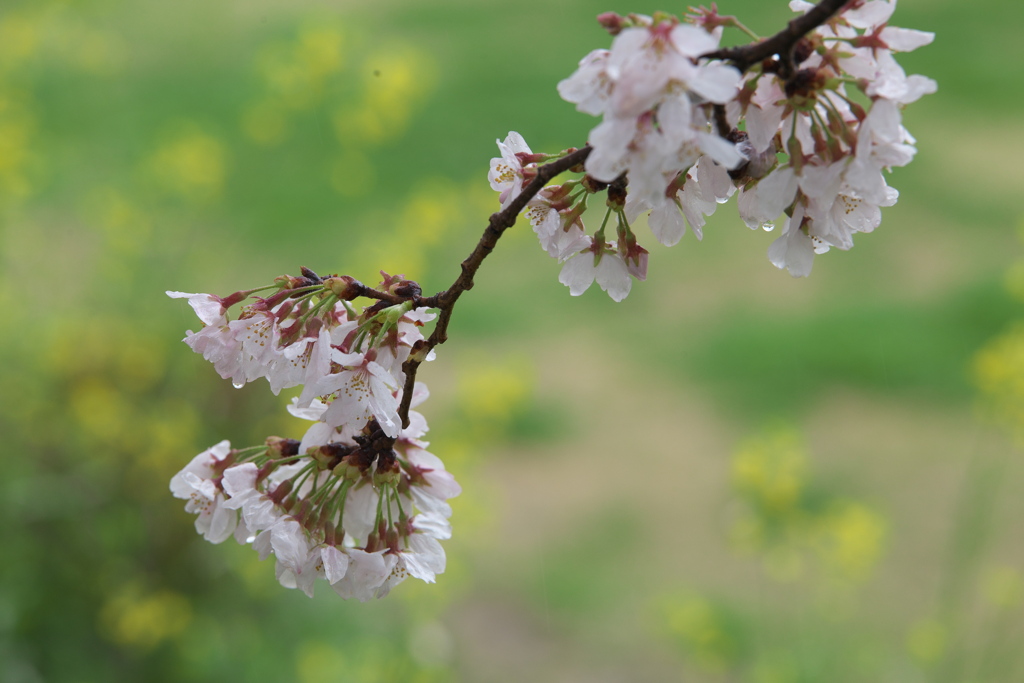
x,y
736,23
326,302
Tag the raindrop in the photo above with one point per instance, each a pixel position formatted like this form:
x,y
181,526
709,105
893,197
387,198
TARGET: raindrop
x,y
238,385
768,226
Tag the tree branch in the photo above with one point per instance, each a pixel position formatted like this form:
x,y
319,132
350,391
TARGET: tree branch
x,y
745,56
445,301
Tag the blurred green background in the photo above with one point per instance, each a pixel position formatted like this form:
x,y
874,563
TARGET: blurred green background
x,y
731,476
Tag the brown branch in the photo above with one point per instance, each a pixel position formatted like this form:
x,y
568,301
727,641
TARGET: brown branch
x,y
745,56
445,301
721,122
387,297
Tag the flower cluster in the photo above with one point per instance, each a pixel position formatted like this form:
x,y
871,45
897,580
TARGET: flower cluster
x,y
359,501
805,135
556,216
832,184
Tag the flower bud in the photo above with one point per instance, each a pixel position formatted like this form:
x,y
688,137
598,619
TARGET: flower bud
x,y
282,447
307,273
282,490
803,49
592,184
392,539
386,477
406,288
347,469
344,287
617,196
611,22
420,351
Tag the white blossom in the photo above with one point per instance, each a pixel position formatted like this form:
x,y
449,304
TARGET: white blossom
x,y
195,483
607,267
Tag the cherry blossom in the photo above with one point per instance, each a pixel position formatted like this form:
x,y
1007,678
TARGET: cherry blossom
x,y
601,263
197,483
507,173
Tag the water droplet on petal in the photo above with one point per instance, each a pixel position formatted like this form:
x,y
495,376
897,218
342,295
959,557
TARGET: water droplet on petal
x,y
768,226
238,385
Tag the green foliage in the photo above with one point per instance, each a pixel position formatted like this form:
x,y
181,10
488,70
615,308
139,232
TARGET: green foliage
x,y
910,349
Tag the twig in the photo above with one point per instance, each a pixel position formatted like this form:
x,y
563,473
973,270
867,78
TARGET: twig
x,y
445,301
745,56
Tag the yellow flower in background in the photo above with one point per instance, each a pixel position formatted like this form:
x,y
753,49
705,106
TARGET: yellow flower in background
x,y
998,372
19,38
927,641
782,522
126,228
378,97
1003,587
396,79
319,51
99,409
97,52
191,164
778,667
852,538
136,618
265,123
768,474
17,127
429,212
492,392
702,628
998,367
319,662
769,470
296,75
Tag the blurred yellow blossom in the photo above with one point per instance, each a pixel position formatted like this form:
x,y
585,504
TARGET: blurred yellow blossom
x,y
778,667
1003,587
98,52
125,226
136,618
492,392
19,38
702,627
769,471
295,75
319,662
432,208
396,79
98,409
319,50
190,163
927,641
17,127
998,372
851,539
265,123
781,520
